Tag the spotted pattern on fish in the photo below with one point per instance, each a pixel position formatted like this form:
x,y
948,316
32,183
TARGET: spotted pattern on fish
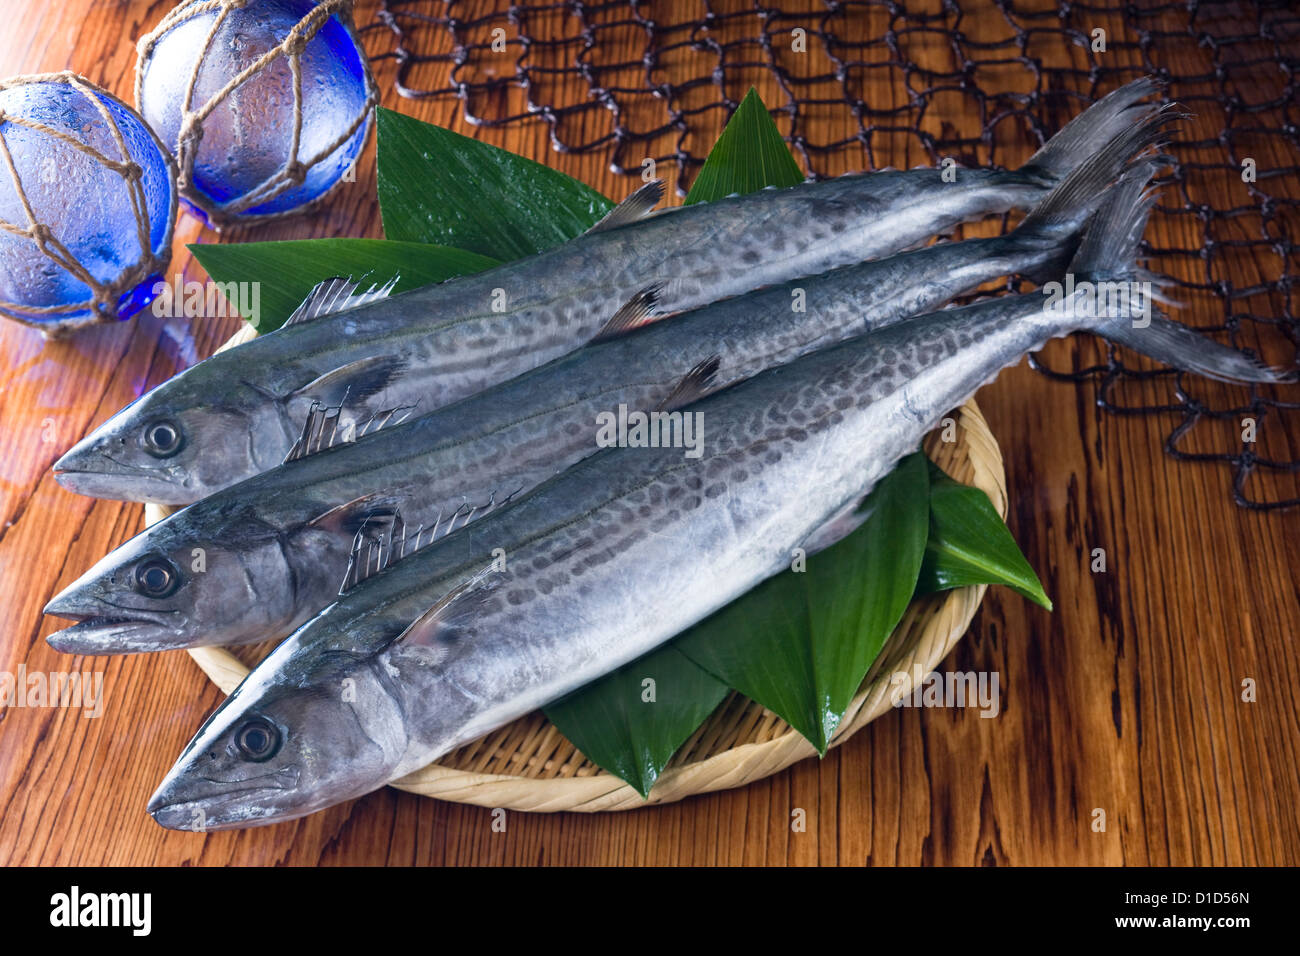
x,y
447,341
513,437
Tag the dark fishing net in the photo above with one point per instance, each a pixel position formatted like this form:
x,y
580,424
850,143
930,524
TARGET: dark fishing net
x,y
859,85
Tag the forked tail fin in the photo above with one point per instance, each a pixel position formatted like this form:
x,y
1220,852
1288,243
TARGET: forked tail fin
x,y
1100,123
1116,298
1073,202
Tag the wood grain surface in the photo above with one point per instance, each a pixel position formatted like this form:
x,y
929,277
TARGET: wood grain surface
x,y
1128,698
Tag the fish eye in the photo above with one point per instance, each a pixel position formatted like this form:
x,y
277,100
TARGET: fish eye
x,y
162,438
156,577
258,739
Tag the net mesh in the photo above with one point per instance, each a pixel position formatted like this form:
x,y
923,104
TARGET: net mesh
x,y
857,84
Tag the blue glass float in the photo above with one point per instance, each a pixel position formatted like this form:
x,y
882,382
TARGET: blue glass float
x,y
87,203
265,104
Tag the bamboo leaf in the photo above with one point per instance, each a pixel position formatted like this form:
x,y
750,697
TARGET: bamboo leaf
x,y
632,721
801,643
749,155
284,272
438,186
970,544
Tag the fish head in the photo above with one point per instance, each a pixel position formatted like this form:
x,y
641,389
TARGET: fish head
x,y
186,439
307,729
167,588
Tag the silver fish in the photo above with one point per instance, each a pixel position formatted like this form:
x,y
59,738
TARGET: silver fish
x,y
605,562
240,412
258,559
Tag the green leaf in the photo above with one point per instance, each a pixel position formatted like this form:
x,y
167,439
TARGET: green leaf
x,y
287,271
970,544
616,727
438,186
801,643
748,156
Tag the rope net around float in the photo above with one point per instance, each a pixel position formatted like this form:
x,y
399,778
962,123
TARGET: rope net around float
x,y
294,170
104,296
881,83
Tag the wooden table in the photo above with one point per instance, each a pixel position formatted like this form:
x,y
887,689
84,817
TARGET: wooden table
x,y
1128,698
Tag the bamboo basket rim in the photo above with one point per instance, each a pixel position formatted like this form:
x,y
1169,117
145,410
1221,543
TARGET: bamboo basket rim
x,y
547,778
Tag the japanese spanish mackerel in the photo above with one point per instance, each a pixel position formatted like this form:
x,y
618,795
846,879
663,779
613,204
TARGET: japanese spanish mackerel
x,y
241,411
602,563
274,548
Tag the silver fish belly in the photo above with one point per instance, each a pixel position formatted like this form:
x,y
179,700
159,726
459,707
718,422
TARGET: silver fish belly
x,y
240,412
277,546
591,570
278,541
656,541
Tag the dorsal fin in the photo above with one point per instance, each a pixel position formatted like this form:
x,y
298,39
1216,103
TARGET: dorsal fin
x,y
337,295
641,309
695,384
321,429
636,206
465,598
372,549
378,544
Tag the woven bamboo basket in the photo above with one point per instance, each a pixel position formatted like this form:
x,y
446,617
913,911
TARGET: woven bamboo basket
x,y
529,765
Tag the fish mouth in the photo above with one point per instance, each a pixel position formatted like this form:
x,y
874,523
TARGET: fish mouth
x,y
87,469
105,634
219,811
102,628
144,486
193,818
91,483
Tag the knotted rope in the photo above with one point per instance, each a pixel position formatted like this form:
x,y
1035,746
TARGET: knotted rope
x,y
104,296
295,169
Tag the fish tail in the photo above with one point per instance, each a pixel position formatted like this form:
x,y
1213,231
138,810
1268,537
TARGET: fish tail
x,y
1107,259
1059,219
1107,119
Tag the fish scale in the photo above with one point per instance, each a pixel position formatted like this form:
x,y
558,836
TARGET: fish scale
x,y
603,564
514,436
786,450
620,553
331,517
241,411
710,272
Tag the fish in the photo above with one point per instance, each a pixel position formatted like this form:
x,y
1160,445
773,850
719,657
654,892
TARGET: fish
x,y
614,557
258,559
384,357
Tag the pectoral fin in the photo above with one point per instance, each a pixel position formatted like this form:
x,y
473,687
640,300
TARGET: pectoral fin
x,y
350,517
694,385
355,381
438,626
